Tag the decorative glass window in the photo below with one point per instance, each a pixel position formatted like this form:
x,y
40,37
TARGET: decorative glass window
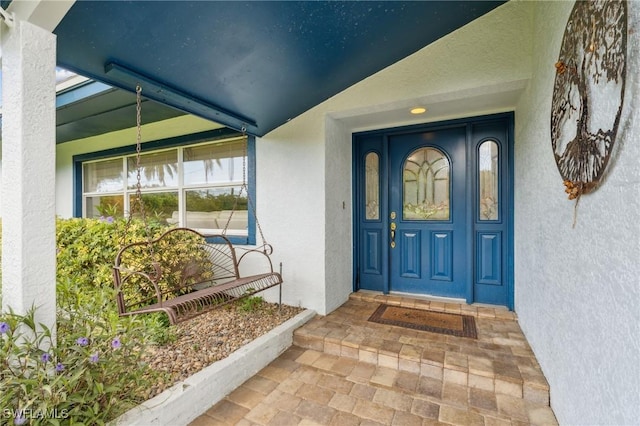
x,y
425,185
372,186
488,179
194,186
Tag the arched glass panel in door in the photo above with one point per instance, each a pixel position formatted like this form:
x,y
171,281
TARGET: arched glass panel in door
x,y
425,184
488,181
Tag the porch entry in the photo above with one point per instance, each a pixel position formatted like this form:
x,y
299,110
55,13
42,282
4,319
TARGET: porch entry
x,y
433,207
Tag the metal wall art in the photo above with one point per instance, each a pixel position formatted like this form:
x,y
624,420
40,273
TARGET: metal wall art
x,y
588,93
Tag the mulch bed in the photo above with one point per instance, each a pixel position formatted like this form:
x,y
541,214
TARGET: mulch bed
x,y
210,337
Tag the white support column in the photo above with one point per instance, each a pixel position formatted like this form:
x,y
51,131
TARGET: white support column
x,y
28,170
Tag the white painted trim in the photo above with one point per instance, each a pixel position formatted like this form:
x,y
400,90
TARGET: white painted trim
x,y
73,81
6,17
42,13
186,400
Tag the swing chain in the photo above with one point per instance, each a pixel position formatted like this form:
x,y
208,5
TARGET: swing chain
x,y
138,199
138,194
244,187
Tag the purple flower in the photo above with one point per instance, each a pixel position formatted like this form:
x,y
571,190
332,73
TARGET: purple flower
x,y
59,367
82,341
4,328
115,343
20,419
109,219
94,358
45,358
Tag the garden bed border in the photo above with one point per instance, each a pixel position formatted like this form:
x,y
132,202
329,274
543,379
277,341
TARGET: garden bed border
x,y
186,400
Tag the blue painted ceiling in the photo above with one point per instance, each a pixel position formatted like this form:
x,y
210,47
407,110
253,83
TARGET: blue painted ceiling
x,y
255,63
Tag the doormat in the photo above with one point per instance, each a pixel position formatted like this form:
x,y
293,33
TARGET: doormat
x,y
418,319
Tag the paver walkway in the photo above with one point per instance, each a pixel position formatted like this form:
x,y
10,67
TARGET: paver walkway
x,y
344,370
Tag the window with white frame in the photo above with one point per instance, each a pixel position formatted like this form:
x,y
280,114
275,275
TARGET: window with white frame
x,y
196,186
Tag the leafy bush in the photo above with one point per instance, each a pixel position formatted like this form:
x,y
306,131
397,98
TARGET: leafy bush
x,y
88,247
180,260
93,372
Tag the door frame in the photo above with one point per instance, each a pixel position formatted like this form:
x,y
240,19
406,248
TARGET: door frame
x,y
470,189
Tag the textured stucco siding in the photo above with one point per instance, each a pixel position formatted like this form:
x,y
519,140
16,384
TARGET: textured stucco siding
x,y
578,290
304,168
28,228
338,219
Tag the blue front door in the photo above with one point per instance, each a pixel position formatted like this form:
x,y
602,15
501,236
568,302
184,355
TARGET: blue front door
x,y
433,210
427,228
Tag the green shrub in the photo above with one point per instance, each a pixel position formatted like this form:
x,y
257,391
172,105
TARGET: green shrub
x,y
181,260
79,383
86,252
88,247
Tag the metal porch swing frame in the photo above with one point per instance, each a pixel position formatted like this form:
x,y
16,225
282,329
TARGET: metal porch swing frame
x,y
182,272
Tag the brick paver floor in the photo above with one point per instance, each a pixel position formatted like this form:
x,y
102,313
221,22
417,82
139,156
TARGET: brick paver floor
x,y
344,370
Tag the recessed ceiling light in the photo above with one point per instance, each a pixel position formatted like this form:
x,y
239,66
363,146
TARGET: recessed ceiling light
x,y
418,110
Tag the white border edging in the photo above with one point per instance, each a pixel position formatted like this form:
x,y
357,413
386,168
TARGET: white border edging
x,y
186,400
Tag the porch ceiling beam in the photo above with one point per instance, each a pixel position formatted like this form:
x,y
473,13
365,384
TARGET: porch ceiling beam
x,y
171,96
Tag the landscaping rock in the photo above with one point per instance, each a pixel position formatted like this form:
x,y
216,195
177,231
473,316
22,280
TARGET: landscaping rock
x,y
211,337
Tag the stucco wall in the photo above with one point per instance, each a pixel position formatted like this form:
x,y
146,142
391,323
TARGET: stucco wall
x,y
577,290
304,168
290,206
338,235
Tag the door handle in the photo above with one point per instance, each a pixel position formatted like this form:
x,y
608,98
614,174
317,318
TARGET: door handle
x,y
393,235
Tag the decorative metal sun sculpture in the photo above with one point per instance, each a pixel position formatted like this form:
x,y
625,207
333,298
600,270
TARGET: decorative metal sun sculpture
x,y
588,92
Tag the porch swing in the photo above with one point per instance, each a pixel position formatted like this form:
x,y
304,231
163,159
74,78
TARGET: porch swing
x,y
184,273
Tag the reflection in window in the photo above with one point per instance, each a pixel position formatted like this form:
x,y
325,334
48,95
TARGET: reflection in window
x,y
105,206
157,170
157,205
212,209
194,186
425,180
488,180
219,163
372,186
103,176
